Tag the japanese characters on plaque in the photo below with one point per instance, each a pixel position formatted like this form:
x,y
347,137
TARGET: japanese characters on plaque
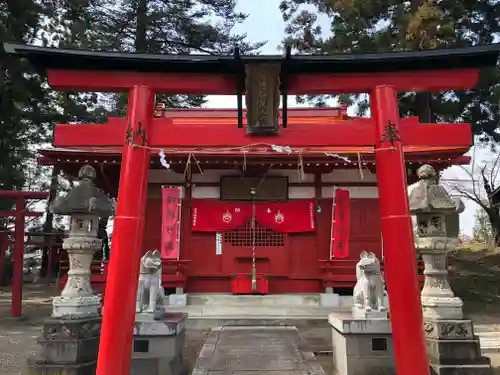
x,y
218,243
171,212
341,224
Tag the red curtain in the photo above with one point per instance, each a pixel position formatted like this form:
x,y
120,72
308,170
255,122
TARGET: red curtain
x,y
342,217
290,217
220,216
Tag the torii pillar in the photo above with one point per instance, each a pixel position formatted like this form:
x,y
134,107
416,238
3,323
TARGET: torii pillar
x,y
127,240
397,232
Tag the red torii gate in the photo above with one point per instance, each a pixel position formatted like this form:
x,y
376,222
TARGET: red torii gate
x,y
19,213
380,75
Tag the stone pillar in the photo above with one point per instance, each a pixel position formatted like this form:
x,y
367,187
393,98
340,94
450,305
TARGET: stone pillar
x,y
451,343
70,338
77,298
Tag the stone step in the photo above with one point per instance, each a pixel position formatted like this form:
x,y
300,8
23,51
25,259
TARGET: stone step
x,y
211,309
208,311
223,299
333,301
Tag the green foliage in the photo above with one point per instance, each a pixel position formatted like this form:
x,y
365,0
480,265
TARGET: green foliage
x,y
165,26
24,104
378,26
482,230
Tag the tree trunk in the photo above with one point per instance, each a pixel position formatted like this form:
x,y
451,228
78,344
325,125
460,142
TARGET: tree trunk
x,y
142,25
423,107
48,226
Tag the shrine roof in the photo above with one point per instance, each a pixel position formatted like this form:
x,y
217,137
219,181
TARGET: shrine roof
x,y
451,58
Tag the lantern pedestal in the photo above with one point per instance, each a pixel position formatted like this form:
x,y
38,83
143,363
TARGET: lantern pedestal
x,y
77,299
68,346
438,299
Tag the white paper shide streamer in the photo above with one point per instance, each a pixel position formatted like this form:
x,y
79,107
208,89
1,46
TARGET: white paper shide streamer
x,y
163,161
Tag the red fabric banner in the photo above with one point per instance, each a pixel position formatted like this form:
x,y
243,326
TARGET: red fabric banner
x,y
341,224
170,223
220,216
289,217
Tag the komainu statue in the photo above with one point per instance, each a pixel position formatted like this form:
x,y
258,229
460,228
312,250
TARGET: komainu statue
x,y
150,293
369,289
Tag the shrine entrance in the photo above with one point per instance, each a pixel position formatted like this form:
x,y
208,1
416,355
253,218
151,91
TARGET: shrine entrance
x,y
254,247
246,248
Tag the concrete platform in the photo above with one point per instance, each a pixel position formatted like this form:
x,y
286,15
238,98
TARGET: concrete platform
x,y
302,310
251,350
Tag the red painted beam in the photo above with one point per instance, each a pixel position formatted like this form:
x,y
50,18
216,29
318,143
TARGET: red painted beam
x,y
164,134
424,81
24,194
212,84
167,83
25,213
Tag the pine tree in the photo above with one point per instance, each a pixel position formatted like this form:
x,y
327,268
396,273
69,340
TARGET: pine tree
x,y
24,100
378,26
71,24
166,26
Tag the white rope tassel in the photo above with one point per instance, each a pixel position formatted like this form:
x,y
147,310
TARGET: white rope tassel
x,y
198,164
360,167
300,168
188,164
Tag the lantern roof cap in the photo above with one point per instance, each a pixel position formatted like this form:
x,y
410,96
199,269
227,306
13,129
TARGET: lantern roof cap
x,y
428,196
85,198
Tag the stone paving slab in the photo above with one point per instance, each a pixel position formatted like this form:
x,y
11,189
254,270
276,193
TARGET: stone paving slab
x,y
241,350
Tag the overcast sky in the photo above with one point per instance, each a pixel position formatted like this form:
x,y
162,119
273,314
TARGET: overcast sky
x,y
265,23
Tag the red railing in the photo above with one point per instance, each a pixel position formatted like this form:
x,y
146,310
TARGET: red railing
x,y
173,275
338,273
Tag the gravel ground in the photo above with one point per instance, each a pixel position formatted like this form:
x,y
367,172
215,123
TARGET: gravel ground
x,y
18,337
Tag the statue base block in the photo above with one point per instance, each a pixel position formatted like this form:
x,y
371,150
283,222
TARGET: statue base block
x,y
362,346
361,313
67,346
76,307
158,344
453,348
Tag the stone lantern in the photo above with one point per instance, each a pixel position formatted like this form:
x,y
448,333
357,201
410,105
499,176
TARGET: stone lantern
x,y
69,342
451,344
84,204
437,223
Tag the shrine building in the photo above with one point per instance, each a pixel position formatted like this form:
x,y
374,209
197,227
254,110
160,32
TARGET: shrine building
x,y
293,233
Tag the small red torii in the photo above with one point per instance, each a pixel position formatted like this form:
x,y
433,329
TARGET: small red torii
x,y
19,214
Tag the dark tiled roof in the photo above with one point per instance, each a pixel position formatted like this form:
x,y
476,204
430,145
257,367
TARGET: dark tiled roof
x,y
453,58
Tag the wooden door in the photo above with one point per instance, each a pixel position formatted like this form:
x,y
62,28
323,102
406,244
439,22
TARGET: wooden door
x,y
271,256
